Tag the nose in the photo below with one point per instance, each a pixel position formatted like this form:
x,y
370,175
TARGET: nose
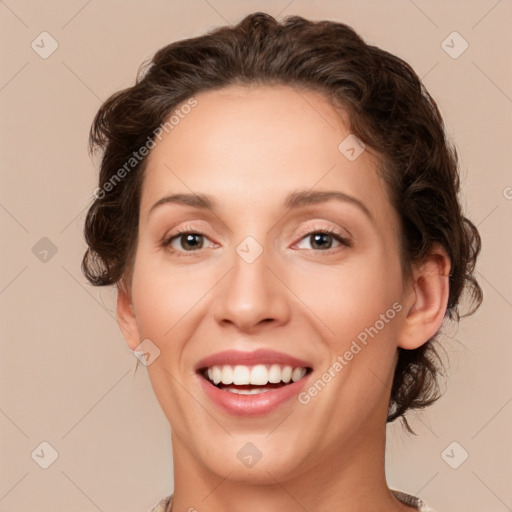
x,y
252,297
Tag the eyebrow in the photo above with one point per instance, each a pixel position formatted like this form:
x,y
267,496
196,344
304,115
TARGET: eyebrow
x,y
294,200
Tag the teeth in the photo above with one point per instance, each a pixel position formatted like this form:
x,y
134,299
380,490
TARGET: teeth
x,y
286,374
227,375
241,375
298,373
274,374
258,375
254,391
216,374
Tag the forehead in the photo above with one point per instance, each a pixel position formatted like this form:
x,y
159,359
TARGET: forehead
x,y
256,144
250,119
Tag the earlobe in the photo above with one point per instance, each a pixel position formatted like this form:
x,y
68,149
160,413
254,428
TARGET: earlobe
x,y
426,308
126,318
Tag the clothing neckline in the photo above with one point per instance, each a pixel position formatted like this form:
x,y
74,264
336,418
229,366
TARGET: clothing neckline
x,y
164,505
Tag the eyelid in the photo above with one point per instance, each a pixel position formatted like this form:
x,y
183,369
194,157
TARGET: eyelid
x,y
333,232
317,228
184,229
303,233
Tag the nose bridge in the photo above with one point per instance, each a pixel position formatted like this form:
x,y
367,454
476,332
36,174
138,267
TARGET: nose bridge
x,y
251,293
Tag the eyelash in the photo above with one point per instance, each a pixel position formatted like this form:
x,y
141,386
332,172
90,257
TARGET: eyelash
x,y
166,243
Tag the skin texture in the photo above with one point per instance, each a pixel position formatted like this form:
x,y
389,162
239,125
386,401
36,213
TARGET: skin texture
x,y
249,147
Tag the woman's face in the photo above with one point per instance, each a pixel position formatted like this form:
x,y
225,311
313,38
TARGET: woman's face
x,y
290,267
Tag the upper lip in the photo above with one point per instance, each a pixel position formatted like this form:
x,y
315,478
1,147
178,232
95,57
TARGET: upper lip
x,y
261,356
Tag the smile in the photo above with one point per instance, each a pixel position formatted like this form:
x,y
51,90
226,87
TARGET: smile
x,y
251,380
260,383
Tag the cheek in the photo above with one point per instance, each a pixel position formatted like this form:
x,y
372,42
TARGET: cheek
x,y
347,300
166,299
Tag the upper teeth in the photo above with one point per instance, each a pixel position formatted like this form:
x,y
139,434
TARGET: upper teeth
x,y
258,375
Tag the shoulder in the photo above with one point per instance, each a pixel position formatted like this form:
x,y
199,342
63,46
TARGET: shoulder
x,y
162,505
413,501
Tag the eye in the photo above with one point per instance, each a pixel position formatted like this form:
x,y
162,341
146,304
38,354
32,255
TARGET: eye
x,y
322,239
185,241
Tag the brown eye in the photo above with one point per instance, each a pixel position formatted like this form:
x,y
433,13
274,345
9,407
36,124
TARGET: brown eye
x,y
186,241
322,240
193,240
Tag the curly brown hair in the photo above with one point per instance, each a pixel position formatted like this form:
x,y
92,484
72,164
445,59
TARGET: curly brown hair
x,y
389,110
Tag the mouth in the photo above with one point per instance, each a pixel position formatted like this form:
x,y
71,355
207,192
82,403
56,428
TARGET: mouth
x,y
253,380
252,383
255,383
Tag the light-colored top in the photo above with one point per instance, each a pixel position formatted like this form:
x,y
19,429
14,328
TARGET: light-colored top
x,y
164,504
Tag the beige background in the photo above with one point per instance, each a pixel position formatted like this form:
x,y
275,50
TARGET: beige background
x,y
67,377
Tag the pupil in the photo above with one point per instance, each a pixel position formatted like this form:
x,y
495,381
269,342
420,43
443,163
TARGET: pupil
x,y
189,240
318,237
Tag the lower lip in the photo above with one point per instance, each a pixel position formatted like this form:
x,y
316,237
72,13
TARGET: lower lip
x,y
252,405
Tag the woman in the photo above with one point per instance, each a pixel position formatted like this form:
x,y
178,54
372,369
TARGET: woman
x,y
278,209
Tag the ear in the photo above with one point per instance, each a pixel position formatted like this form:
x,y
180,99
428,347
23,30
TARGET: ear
x,y
427,300
126,316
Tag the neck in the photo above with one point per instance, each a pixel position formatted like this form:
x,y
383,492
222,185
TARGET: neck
x,y
350,479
